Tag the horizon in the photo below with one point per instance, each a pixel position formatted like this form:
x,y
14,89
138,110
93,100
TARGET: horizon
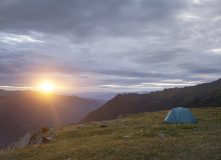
x,y
108,46
107,95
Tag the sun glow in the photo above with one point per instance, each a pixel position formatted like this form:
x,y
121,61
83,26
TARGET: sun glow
x,y
47,87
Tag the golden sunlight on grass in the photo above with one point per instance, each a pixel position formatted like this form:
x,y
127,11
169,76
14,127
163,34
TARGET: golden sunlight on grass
x,y
46,87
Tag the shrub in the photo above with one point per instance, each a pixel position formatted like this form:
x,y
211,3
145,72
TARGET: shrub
x,y
45,129
71,124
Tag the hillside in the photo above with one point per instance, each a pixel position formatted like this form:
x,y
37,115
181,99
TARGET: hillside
x,y
203,95
139,136
4,92
23,111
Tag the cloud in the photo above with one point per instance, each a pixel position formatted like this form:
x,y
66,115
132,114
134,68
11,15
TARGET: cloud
x,y
201,69
94,45
83,19
216,50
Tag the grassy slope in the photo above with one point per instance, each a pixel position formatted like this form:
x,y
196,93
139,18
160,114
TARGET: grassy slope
x,y
89,141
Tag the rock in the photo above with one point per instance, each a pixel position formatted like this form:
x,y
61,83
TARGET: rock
x,y
161,135
24,141
2,150
126,136
10,146
50,138
69,158
29,139
39,139
44,140
121,120
124,126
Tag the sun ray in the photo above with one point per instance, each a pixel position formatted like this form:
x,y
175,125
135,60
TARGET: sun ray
x,y
47,87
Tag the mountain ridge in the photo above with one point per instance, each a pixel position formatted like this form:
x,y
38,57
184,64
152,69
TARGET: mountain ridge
x,y
155,101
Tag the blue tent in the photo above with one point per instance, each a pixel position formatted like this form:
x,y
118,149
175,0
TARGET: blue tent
x,y
180,115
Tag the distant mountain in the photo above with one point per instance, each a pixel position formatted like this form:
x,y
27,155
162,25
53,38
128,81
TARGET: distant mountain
x,y
203,95
4,92
97,95
103,95
23,111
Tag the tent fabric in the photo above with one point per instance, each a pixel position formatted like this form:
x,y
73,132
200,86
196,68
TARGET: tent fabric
x,y
180,115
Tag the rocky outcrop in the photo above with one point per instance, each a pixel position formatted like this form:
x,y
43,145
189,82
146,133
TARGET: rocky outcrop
x,y
24,141
30,138
41,138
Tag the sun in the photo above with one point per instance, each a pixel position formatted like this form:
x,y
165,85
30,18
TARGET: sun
x,y
47,87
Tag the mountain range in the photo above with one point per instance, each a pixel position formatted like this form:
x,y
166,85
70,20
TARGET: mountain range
x,y
23,111
103,95
202,95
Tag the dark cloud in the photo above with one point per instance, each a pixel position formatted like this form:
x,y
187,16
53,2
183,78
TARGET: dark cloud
x,y
161,56
201,69
129,73
83,18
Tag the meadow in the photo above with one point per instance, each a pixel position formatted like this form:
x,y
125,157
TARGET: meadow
x,y
131,137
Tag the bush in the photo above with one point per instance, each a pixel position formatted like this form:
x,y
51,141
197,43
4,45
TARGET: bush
x,y
45,129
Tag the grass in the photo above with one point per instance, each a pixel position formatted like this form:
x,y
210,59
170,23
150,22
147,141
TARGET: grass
x,y
134,137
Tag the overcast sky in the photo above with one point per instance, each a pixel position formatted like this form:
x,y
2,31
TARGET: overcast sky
x,y
109,45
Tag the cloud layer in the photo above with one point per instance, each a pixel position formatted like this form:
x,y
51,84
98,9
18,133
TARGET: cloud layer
x,y
109,44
